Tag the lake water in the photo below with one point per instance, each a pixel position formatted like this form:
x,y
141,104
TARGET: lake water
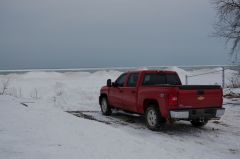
x,y
122,69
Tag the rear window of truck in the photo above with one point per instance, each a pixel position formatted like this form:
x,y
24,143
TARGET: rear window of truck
x,y
155,79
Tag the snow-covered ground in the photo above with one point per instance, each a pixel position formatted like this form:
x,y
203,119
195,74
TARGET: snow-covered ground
x,y
34,124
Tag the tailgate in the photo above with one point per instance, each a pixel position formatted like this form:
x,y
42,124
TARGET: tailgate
x,y
200,96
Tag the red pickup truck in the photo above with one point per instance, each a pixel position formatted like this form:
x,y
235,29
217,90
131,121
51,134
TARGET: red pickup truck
x,y
160,96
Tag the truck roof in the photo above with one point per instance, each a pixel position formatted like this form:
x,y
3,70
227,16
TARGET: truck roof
x,y
153,71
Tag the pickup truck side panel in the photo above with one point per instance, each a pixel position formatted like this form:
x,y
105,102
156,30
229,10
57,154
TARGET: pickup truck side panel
x,y
114,97
130,96
159,95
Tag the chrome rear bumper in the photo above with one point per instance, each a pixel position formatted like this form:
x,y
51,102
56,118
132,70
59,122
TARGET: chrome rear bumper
x,y
190,114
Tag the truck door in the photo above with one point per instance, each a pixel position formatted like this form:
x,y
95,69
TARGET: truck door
x,y
129,96
115,94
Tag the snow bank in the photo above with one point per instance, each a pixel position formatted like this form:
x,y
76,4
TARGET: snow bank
x,y
70,90
210,76
181,73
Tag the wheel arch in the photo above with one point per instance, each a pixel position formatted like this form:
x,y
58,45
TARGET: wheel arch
x,y
150,102
102,95
154,102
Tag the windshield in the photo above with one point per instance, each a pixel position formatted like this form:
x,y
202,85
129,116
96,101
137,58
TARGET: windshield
x,y
154,79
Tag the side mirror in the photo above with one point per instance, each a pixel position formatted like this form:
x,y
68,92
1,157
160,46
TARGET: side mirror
x,y
109,82
114,84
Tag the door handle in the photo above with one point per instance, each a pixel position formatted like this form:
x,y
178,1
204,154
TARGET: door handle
x,y
133,92
120,91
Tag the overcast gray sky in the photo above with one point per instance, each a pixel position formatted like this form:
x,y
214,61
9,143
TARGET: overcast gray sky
x,y
102,33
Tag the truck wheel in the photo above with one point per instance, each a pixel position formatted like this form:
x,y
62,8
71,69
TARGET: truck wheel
x,y
198,123
106,110
153,118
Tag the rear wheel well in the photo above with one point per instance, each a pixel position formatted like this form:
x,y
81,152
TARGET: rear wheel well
x,y
150,102
153,103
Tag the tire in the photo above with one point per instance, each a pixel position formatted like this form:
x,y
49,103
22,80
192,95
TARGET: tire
x,y
198,123
153,118
106,110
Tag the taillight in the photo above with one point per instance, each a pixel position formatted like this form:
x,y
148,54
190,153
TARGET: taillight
x,y
172,100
